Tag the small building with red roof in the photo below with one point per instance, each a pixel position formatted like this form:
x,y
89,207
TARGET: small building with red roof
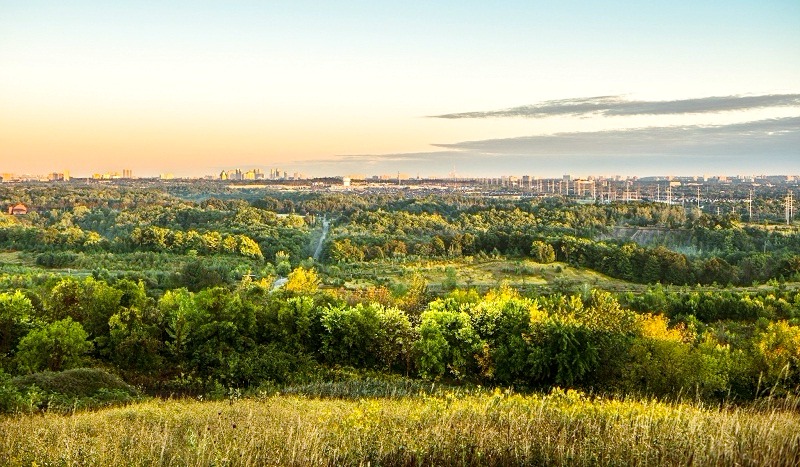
x,y
18,210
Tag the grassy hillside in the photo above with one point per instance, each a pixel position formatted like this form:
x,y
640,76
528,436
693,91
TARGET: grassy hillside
x,y
522,274
561,428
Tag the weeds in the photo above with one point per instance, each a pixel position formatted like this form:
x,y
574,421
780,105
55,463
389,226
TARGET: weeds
x,y
435,428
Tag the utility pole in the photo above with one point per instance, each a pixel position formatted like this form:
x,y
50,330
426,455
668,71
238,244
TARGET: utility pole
x,y
789,203
750,207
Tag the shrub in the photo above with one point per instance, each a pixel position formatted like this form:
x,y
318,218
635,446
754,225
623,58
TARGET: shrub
x,y
74,382
80,388
57,346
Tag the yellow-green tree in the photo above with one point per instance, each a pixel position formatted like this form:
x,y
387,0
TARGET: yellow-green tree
x,y
303,281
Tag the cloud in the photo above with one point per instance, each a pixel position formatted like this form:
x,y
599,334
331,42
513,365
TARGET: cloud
x,y
781,135
756,147
609,106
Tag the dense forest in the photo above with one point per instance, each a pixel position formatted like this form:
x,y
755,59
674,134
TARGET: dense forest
x,y
205,294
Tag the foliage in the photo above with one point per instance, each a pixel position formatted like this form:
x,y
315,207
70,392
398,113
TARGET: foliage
x,y
74,382
303,281
447,342
542,252
16,319
66,391
174,292
778,349
58,346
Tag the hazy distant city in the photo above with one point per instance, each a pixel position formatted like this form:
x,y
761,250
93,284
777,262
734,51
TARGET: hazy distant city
x,y
716,194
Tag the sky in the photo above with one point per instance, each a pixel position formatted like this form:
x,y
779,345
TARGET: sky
x,y
424,88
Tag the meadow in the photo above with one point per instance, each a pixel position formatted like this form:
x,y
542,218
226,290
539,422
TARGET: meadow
x,y
482,274
477,427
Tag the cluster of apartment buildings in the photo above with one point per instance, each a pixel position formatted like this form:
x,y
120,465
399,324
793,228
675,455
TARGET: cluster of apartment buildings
x,y
258,174
51,177
126,174
63,176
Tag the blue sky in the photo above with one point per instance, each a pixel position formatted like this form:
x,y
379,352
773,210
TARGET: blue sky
x,y
192,87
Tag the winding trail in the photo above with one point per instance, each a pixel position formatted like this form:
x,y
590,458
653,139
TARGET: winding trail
x,y
325,226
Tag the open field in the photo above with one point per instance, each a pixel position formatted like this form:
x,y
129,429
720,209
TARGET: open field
x,y
13,257
520,273
562,428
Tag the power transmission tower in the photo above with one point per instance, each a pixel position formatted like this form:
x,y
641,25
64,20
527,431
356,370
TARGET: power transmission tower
x,y
750,207
789,203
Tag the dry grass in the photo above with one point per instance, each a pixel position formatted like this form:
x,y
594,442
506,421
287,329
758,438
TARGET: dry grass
x,y
490,429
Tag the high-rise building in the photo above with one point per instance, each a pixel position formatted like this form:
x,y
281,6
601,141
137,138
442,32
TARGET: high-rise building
x,y
58,176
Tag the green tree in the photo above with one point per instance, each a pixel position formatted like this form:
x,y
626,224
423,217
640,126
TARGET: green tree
x,y
352,335
652,270
134,339
503,320
778,348
201,274
563,351
58,346
397,339
542,252
447,343
178,309
16,314
90,302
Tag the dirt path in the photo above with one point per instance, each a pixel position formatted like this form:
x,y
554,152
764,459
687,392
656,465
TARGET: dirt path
x,y
325,226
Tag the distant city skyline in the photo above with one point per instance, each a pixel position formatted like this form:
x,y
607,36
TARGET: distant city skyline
x,y
476,89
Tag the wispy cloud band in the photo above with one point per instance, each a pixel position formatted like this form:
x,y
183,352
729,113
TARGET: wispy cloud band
x,y
761,146
610,106
761,136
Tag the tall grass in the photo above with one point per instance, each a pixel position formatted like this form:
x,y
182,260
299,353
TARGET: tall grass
x,y
561,428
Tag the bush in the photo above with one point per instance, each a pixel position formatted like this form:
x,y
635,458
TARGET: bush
x,y
75,382
59,259
10,397
80,388
59,345
267,364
